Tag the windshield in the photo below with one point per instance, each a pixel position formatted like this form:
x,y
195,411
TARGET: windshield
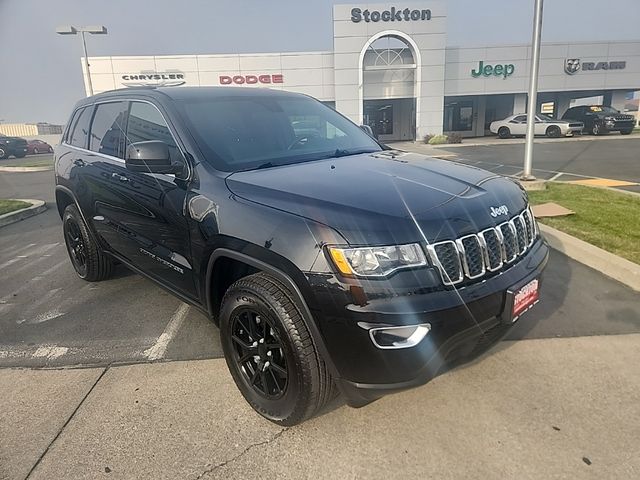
x,y
248,132
603,109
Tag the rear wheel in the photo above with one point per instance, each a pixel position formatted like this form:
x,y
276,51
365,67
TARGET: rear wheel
x,y
597,129
87,258
270,353
553,131
504,132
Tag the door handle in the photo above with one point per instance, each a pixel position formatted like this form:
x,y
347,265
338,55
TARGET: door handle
x,y
117,176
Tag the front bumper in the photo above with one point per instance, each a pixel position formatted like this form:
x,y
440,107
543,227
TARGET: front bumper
x,y
464,322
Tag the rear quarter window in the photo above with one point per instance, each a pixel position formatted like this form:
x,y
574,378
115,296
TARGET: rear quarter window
x,y
79,131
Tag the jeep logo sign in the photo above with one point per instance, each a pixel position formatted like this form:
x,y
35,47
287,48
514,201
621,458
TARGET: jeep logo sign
x,y
498,70
251,79
391,15
497,211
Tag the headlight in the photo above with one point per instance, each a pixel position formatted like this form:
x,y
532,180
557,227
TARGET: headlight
x,y
377,261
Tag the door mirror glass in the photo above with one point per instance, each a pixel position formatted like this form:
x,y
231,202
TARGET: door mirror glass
x,y
151,156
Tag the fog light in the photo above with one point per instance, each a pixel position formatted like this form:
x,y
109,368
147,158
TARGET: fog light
x,y
399,337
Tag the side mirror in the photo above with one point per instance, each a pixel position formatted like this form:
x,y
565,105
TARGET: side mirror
x,y
368,130
151,157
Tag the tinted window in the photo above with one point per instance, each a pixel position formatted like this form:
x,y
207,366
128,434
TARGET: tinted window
x,y
146,123
520,118
80,128
240,133
107,129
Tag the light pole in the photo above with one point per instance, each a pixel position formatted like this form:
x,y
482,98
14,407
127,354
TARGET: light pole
x,y
94,30
533,90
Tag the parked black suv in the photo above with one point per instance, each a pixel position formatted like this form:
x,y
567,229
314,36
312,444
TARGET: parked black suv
x,y
15,146
326,259
599,119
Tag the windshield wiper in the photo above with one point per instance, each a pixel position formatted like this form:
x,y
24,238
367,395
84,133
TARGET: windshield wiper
x,y
264,165
343,153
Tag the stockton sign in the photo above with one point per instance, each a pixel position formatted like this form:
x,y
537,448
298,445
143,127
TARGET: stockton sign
x,y
497,70
155,79
392,15
264,79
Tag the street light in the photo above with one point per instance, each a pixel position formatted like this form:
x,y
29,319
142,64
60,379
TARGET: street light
x,y
533,90
93,30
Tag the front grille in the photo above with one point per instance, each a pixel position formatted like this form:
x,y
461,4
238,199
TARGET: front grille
x,y
471,256
580,125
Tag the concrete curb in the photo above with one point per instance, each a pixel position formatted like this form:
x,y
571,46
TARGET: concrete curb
x,y
607,263
37,206
25,169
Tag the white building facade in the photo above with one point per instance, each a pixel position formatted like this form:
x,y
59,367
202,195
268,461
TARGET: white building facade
x,y
391,68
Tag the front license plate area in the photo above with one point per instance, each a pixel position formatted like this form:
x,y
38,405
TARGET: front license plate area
x,y
525,298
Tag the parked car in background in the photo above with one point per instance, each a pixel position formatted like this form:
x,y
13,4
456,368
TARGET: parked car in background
x,y
599,119
15,146
35,147
517,125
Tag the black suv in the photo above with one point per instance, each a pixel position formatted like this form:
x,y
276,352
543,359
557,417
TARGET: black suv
x,y
599,119
329,262
15,146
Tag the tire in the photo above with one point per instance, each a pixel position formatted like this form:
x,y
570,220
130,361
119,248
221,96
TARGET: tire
x,y
504,132
87,258
50,150
260,322
553,132
36,151
3,154
597,129
626,132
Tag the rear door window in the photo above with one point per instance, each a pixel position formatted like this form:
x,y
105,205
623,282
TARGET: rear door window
x,y
108,129
79,131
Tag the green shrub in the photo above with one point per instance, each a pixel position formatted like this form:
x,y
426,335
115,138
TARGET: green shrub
x,y
438,140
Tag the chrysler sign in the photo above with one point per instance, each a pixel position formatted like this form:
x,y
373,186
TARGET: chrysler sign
x,y
392,15
153,79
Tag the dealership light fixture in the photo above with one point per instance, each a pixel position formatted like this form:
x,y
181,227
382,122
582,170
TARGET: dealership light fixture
x,y
527,174
93,30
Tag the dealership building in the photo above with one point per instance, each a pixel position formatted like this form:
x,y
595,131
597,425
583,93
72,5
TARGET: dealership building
x,y
391,68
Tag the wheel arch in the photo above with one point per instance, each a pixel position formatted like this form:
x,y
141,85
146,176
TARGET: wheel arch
x,y
285,277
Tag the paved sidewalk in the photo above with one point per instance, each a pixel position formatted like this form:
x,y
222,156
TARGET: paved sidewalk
x,y
553,408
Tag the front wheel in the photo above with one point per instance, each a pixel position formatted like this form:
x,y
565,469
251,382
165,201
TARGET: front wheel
x,y
553,131
87,258
36,151
504,132
270,353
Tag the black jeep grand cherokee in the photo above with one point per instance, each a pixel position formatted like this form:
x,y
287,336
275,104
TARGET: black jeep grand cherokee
x,y
326,259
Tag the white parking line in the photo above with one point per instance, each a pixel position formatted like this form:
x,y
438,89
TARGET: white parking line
x,y
559,174
14,251
39,254
158,350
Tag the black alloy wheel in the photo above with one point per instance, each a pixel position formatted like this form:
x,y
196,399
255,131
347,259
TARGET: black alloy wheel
x,y
553,131
259,353
87,257
270,352
75,245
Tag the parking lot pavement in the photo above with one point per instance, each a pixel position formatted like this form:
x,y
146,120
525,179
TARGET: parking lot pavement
x,y
50,318
550,408
564,160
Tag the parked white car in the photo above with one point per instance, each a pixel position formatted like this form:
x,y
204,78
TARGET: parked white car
x,y
517,125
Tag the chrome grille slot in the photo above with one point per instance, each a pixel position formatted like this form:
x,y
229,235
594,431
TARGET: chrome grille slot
x,y
472,256
446,257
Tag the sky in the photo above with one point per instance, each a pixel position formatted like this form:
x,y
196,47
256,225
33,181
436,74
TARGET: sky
x,y
41,76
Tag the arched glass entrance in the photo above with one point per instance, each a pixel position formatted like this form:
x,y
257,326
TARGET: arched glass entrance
x,y
389,79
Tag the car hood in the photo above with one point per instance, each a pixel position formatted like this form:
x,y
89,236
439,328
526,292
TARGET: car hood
x,y
385,197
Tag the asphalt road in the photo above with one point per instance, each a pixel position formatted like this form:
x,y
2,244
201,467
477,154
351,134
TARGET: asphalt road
x,y
50,317
564,160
